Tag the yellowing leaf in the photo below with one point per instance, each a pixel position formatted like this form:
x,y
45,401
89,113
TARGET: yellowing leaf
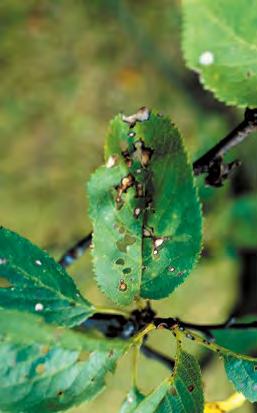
x,y
233,402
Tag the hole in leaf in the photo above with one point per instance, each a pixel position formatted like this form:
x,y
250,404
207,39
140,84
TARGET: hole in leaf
x,y
126,270
125,242
120,261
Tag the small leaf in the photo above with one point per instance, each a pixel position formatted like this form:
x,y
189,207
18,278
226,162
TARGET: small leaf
x,y
49,369
238,340
182,393
240,221
243,374
145,210
32,281
132,400
221,47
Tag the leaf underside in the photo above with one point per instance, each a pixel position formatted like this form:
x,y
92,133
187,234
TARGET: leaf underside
x,y
145,211
182,393
47,369
220,42
31,281
243,374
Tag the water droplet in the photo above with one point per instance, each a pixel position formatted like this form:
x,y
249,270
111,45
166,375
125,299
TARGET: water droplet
x,y
146,232
3,261
137,212
130,398
38,262
171,269
123,286
158,242
206,58
131,134
155,252
39,307
110,162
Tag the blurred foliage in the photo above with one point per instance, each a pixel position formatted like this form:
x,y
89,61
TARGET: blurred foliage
x,y
66,69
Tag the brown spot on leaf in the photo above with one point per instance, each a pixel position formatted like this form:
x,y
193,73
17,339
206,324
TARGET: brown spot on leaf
x,y
125,184
83,355
40,369
140,116
5,283
44,349
191,388
173,391
123,286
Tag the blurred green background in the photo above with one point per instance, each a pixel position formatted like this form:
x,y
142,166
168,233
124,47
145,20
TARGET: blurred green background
x,y
66,69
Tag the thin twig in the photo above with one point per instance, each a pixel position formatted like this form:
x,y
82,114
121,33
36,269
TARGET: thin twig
x,y
76,251
212,161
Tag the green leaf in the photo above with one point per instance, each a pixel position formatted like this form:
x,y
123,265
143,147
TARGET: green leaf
x,y
49,369
220,43
32,281
241,222
182,393
243,374
132,400
239,340
145,210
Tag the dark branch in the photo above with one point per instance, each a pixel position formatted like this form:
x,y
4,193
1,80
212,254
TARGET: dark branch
x,y
76,251
212,161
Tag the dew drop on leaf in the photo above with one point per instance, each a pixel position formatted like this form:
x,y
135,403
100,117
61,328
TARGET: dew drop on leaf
x,y
110,162
206,58
39,307
38,263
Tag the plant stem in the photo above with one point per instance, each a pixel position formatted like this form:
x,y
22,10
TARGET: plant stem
x,y
76,251
236,136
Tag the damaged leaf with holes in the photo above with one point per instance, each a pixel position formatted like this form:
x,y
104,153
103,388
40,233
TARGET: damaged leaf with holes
x,y
30,280
49,369
145,210
180,393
